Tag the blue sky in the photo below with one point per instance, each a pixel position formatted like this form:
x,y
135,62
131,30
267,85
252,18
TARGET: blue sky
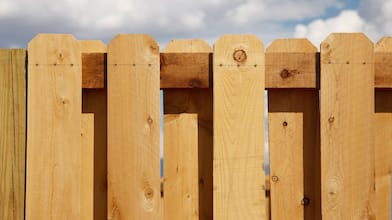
x,y
21,20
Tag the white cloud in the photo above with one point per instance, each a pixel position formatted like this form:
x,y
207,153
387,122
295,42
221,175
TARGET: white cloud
x,y
7,8
346,21
373,17
256,10
164,20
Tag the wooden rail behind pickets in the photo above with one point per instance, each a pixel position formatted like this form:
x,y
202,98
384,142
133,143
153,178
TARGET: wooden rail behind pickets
x,y
89,146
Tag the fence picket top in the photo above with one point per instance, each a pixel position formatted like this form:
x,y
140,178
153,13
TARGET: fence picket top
x,y
93,46
383,63
291,63
239,50
187,46
54,49
146,48
335,49
384,45
291,45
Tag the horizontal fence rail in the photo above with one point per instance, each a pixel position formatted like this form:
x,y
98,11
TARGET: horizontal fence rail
x,y
90,145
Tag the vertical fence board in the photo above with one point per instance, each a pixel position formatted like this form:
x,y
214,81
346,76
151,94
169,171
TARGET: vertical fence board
x,y
239,176
383,150
87,178
181,194
133,128
12,133
195,101
286,164
307,102
53,128
383,165
95,101
347,118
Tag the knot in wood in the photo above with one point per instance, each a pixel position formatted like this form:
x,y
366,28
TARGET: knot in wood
x,y
148,193
240,56
285,73
275,179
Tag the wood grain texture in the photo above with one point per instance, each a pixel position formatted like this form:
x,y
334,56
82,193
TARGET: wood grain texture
x,y
383,63
53,128
286,165
307,102
87,178
291,63
93,68
95,101
181,189
12,133
185,70
239,176
383,149
383,165
197,101
347,130
133,128
93,64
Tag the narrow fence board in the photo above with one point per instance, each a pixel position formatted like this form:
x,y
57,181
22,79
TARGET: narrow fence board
x,y
383,149
383,63
12,133
197,101
307,102
181,189
347,131
291,63
383,165
53,128
95,101
286,165
93,70
185,70
133,128
87,178
239,176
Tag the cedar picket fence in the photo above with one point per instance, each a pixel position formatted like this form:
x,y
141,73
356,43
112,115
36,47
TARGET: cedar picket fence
x,y
90,145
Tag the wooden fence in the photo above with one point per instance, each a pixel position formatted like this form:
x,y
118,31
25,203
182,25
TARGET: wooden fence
x,y
90,145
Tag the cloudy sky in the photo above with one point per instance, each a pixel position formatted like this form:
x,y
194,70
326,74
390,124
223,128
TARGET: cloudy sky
x,y
21,20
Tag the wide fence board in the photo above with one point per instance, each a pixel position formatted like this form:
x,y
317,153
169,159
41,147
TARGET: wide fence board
x,y
95,101
133,128
305,100
239,177
383,165
347,126
197,101
87,173
12,133
286,165
53,128
181,184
